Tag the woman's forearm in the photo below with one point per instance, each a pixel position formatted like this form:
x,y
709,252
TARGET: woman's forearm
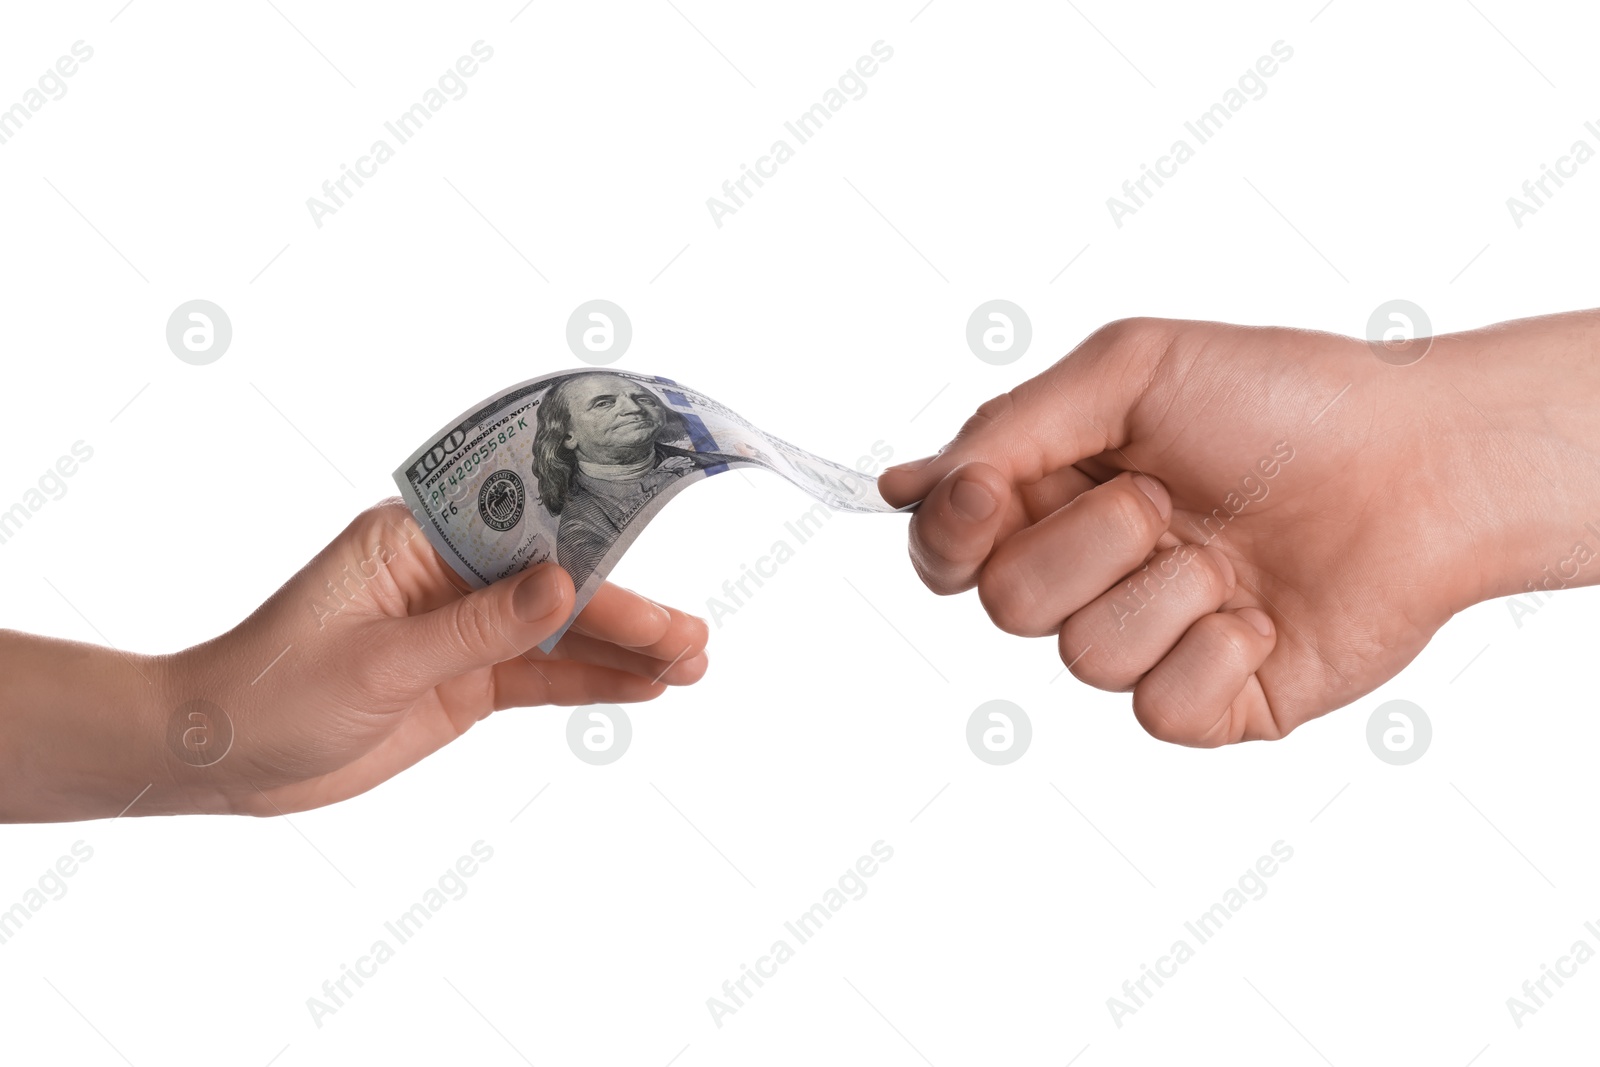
x,y
82,731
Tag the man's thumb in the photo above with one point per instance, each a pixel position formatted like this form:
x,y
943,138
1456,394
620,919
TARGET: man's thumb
x,y
486,626
1077,408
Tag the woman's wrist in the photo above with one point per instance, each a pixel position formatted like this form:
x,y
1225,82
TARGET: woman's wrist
x,y
88,732
195,750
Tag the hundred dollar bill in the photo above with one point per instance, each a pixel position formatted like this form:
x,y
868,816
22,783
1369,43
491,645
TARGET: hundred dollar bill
x,y
571,466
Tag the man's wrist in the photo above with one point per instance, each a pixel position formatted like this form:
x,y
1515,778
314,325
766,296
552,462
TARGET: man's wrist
x,y
1519,450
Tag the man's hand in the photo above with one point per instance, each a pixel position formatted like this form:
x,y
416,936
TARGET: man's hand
x,y
1250,527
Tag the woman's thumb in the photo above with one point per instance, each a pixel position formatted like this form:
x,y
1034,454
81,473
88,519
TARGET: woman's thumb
x,y
486,626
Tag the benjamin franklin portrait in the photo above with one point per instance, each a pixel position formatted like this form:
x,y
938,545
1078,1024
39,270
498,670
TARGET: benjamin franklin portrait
x,y
604,448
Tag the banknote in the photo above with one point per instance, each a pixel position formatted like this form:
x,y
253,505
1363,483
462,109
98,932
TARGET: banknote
x,y
571,466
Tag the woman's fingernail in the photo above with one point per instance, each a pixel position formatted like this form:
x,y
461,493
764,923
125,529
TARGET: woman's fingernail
x,y
1158,496
660,612
1259,619
972,500
912,465
538,595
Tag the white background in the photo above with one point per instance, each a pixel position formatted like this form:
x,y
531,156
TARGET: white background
x,y
830,309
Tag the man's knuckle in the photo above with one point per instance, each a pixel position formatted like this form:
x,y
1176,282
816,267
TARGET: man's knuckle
x,y
932,569
1090,665
1009,599
1229,644
1075,640
1197,571
1132,515
990,413
1135,330
995,408
1214,570
1160,713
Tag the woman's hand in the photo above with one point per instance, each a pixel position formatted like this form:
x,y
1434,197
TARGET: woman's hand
x,y
376,655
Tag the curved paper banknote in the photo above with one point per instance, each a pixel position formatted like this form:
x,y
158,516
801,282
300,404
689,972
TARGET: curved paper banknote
x,y
571,466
